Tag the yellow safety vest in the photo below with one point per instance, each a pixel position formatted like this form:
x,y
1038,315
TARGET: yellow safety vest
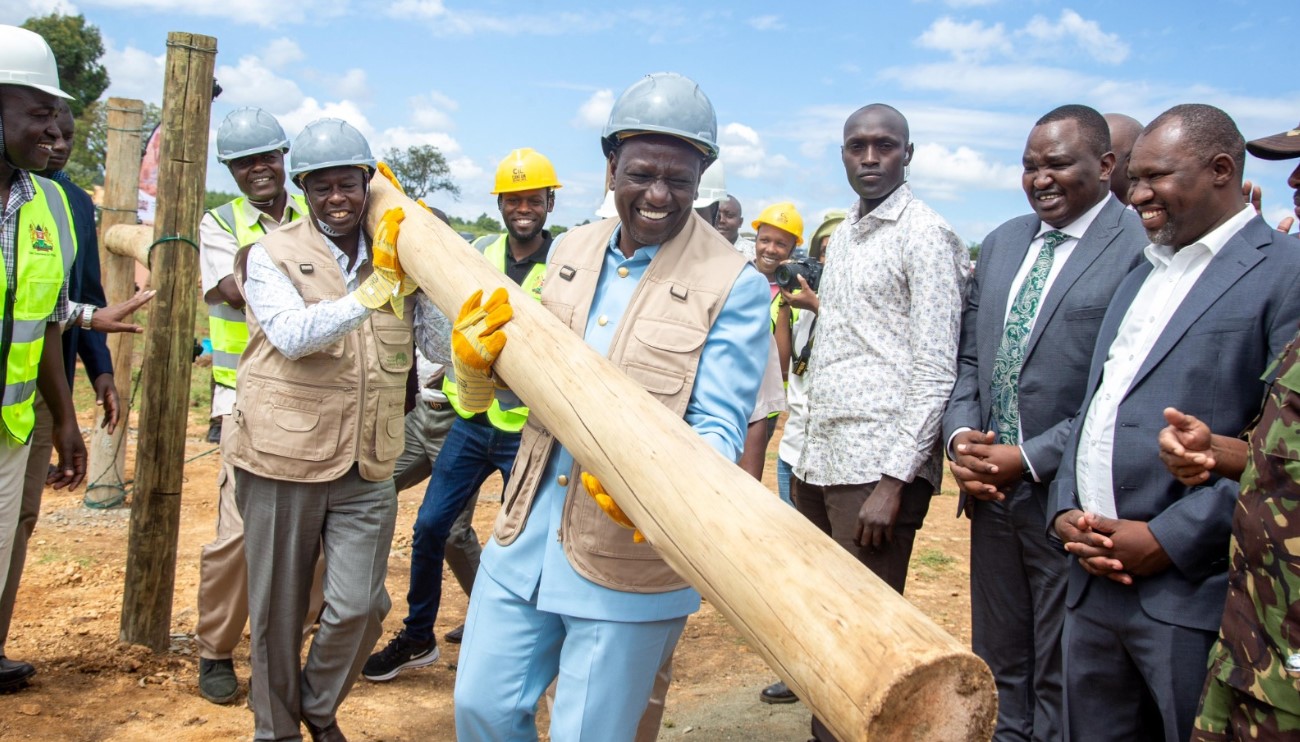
x,y
227,326
45,249
513,419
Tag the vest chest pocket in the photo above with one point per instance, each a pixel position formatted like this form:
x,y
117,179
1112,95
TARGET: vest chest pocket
x,y
299,423
662,354
36,297
394,348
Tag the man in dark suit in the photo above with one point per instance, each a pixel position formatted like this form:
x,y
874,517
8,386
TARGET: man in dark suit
x,y
1195,327
1041,286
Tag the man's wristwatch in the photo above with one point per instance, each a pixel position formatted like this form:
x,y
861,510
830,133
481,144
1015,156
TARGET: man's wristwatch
x,y
87,313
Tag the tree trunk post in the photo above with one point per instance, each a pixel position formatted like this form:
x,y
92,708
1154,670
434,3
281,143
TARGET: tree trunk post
x,y
169,342
106,477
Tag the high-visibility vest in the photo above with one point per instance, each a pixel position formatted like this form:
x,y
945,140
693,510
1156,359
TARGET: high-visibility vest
x,y
45,249
775,308
227,326
513,419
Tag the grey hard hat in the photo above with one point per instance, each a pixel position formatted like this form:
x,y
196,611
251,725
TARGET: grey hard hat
x,y
664,103
713,186
326,143
249,131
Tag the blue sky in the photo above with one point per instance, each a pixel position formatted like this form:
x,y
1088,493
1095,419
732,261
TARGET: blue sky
x,y
481,78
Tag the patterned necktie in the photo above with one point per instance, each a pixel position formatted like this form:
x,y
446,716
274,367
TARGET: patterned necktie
x,y
1015,339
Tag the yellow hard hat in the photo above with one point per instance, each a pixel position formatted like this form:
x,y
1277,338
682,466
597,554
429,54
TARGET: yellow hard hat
x,y
784,217
523,170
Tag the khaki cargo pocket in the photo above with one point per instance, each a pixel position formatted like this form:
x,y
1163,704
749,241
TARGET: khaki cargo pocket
x,y
297,426
394,346
390,428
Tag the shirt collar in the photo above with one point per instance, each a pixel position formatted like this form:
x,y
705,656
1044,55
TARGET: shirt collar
x,y
537,256
1079,227
21,190
889,210
646,252
340,257
251,215
1212,241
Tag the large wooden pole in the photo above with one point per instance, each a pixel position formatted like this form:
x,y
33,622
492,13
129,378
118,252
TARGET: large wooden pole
x,y
169,340
107,473
869,663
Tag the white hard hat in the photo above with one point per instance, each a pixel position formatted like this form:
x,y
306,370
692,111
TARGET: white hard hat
x,y
713,186
607,208
26,60
249,131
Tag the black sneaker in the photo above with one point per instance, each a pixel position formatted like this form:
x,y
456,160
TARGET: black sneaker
x,y
777,692
217,681
14,674
400,654
456,635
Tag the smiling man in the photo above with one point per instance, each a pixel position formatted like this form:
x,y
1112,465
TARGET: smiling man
x,y
1196,327
317,429
885,357
481,443
564,590
1032,315
252,144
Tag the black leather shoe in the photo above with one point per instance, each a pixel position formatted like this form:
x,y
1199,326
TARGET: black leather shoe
x,y
214,430
14,674
777,692
331,733
455,635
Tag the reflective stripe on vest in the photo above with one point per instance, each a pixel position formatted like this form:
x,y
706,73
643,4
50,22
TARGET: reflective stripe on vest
x,y
44,252
227,326
513,419
775,307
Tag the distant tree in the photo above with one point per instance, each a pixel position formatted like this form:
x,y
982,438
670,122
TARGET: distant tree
x,y
77,48
556,229
90,144
486,224
974,249
213,199
421,170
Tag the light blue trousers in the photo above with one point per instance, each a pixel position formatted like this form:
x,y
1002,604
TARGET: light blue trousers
x,y
512,651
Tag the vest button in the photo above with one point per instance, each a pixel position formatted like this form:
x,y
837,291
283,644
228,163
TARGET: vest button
x,y
562,480
622,272
602,320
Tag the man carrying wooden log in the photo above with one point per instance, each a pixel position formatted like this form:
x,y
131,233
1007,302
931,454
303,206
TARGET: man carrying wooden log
x,y
252,144
317,427
38,244
565,590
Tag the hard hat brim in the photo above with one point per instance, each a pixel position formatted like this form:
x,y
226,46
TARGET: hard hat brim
x,y
227,159
38,86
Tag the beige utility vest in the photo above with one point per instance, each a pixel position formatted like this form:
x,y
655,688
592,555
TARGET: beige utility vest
x,y
658,345
311,419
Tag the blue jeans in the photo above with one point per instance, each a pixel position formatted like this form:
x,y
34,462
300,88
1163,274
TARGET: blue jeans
x,y
469,455
784,473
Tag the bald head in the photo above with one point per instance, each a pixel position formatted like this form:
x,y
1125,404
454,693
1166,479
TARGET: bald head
x,y
1124,131
883,113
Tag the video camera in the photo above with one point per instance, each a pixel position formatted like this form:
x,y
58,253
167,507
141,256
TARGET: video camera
x,y
787,274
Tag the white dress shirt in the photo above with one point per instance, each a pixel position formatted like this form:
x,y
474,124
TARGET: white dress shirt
x,y
1074,231
1163,291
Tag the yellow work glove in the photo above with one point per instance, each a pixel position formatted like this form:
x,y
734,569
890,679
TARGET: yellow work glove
x,y
476,340
388,284
611,508
387,172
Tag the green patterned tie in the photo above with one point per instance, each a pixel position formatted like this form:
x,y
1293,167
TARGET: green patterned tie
x,y
1015,339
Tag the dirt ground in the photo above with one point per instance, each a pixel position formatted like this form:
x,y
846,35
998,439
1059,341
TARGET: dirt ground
x,y
91,687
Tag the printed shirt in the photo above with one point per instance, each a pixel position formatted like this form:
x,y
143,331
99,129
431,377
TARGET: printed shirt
x,y
1261,619
885,359
21,190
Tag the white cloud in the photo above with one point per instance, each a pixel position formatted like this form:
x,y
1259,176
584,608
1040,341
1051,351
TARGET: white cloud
x,y
594,112
746,155
310,109
944,173
1004,82
767,23
266,13
133,73
971,41
252,83
353,84
443,21
1085,34
432,111
17,11
282,51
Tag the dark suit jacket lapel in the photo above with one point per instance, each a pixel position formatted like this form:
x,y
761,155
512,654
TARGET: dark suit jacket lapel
x,y
1008,256
1100,234
1238,256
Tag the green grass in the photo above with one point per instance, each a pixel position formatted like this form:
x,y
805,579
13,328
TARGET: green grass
x,y
934,559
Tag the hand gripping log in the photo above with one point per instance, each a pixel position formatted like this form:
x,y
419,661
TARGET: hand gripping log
x,y
870,664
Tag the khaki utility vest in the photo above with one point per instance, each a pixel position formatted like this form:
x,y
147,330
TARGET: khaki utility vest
x,y
311,419
658,345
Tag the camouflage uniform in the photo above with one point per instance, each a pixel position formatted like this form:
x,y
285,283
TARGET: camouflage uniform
x,y
1249,694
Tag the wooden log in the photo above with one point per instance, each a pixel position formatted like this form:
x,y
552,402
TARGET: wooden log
x,y
169,340
106,474
867,662
131,244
